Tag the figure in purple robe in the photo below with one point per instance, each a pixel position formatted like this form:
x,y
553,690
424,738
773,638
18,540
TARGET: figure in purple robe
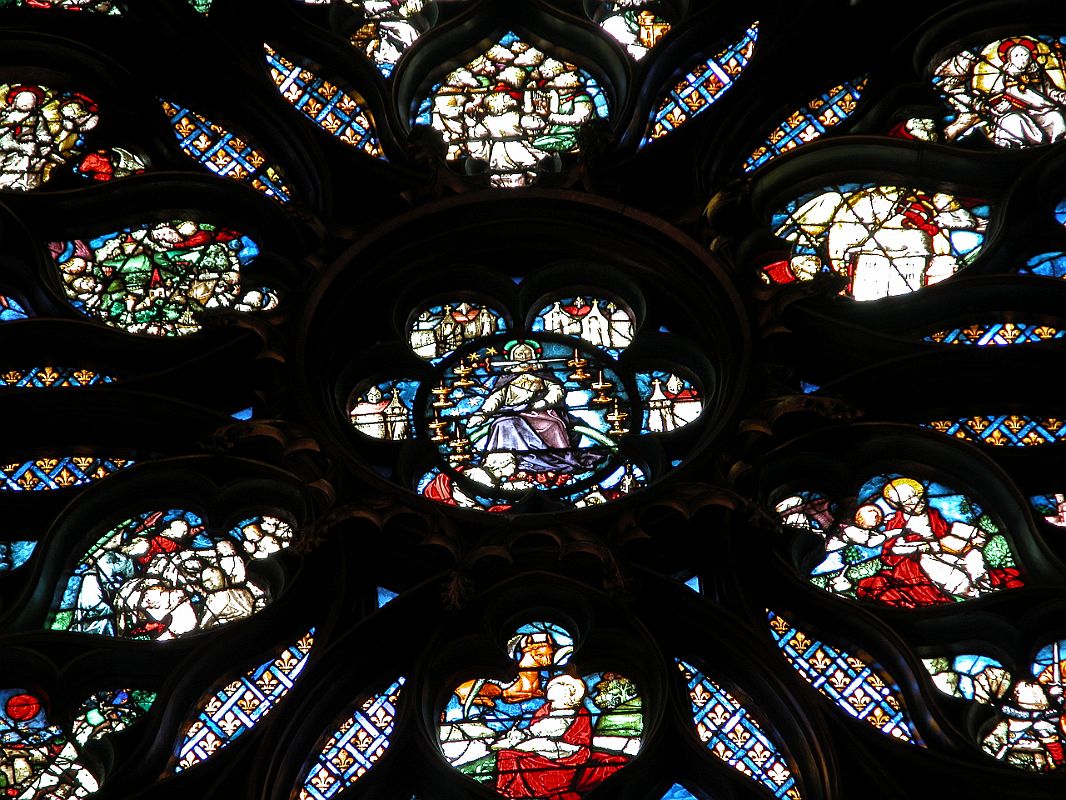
x,y
526,414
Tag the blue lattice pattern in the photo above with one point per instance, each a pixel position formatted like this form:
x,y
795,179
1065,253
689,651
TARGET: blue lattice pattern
x,y
808,123
356,745
699,89
997,333
1003,430
45,474
851,683
238,706
336,112
52,377
225,153
729,731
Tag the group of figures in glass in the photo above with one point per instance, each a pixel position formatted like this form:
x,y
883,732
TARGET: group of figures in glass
x,y
546,734
914,543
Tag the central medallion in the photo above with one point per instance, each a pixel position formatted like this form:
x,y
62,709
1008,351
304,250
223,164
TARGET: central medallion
x,y
532,413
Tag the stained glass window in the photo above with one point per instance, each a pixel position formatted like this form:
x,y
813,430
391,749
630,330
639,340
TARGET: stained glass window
x,y
906,543
730,731
997,333
703,86
14,554
1026,734
41,759
415,336
158,279
40,129
226,153
99,6
337,112
1011,91
807,123
513,111
11,310
1003,430
348,753
854,685
638,30
390,28
234,709
1047,265
546,733
112,163
165,574
50,473
1052,507
882,240
53,377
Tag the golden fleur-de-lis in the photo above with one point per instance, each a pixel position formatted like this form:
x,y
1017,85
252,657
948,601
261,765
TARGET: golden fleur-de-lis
x,y
700,695
1053,424
313,106
1014,423
778,774
267,682
84,376
722,751
12,376
213,705
855,663
47,464
941,425
1045,332
820,661
230,723
998,438
808,134
695,102
776,136
256,159
978,424
875,681
779,625
878,718
48,376
65,478
248,702
292,94
759,753
795,119
322,780
1033,438
859,700
839,680
847,104
718,715
184,127
738,736
343,760
800,642
829,118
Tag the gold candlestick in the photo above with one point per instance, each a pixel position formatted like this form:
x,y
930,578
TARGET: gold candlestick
x,y
602,387
616,418
438,426
578,364
441,393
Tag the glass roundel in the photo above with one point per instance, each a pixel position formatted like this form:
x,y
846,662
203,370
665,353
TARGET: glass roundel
x,y
505,413
528,413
